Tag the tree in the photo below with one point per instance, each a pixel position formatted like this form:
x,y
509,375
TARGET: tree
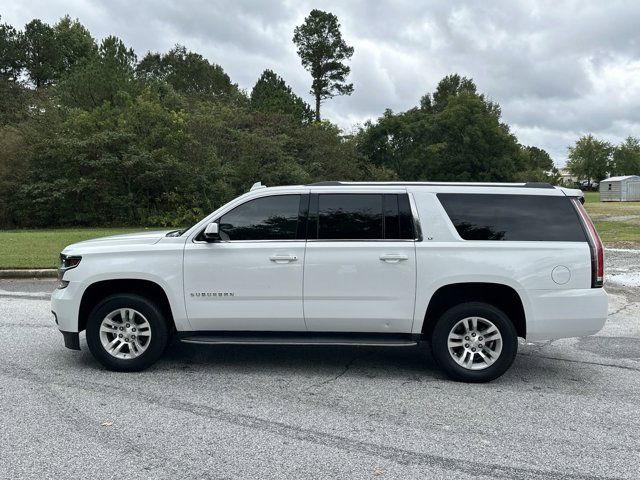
x,y
187,72
152,67
107,76
272,94
536,159
13,168
462,139
11,65
626,157
453,86
42,56
590,158
74,43
11,53
449,86
535,165
323,53
44,52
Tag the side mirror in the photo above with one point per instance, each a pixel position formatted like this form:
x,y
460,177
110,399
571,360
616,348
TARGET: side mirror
x,y
212,232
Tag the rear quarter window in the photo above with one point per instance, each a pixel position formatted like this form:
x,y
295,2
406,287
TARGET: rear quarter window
x,y
513,217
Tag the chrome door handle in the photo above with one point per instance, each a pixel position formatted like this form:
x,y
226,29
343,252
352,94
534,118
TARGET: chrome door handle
x,y
283,258
393,257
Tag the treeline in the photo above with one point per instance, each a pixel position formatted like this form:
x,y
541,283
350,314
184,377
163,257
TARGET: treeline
x,y
593,159
90,134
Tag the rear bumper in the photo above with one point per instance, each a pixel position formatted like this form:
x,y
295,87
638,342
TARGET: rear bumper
x,y
566,313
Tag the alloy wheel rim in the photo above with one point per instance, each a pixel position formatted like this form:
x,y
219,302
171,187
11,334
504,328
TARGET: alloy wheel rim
x,y
474,343
125,333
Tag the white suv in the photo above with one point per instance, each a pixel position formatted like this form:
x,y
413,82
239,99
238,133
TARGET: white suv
x,y
468,268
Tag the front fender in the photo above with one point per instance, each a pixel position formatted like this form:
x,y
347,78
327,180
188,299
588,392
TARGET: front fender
x,y
163,268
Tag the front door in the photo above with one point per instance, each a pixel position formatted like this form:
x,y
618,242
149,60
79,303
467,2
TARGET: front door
x,y
252,278
360,263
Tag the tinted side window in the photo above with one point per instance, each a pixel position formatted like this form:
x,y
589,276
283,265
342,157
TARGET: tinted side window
x,y
407,229
398,220
266,218
350,217
513,217
391,216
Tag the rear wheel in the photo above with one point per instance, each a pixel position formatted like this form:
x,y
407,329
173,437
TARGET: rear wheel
x,y
474,342
127,332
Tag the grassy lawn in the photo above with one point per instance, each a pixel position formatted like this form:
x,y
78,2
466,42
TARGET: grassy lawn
x,y
618,224
41,248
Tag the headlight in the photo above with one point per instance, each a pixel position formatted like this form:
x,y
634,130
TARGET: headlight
x,y
67,262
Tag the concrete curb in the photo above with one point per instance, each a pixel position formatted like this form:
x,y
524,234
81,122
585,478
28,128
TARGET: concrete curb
x,y
29,273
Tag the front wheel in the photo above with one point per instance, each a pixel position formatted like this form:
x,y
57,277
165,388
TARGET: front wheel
x,y
474,342
127,332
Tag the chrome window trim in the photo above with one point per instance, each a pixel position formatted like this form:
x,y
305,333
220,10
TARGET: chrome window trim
x,y
373,240
250,241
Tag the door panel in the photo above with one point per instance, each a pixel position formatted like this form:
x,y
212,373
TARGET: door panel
x,y
360,263
252,278
245,285
359,286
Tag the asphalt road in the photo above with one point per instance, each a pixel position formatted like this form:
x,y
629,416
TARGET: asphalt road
x,y
566,409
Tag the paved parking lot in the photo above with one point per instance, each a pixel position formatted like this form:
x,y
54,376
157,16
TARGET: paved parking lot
x,y
566,409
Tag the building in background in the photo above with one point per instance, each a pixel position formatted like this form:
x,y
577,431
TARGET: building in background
x,y
620,189
567,177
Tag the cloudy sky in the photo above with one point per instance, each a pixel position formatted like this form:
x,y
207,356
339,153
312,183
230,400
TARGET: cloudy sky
x,y
559,69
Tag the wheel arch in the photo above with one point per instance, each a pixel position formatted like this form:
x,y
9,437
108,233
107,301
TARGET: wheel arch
x,y
100,290
502,296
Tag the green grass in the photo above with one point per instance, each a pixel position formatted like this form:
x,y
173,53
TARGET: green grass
x,y
618,223
41,248
591,197
618,233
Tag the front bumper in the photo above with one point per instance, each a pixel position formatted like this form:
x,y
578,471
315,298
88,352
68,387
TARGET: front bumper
x,y
65,308
65,305
566,313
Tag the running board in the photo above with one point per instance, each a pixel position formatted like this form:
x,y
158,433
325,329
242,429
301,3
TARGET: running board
x,y
272,338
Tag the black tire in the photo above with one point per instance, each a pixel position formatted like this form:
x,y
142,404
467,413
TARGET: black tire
x,y
157,342
440,348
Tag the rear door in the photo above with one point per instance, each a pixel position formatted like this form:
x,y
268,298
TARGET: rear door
x,y
360,263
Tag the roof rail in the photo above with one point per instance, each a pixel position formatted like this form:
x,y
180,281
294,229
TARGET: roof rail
x,y
538,185
330,183
335,183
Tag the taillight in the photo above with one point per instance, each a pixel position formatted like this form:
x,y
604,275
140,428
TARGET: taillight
x,y
595,245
